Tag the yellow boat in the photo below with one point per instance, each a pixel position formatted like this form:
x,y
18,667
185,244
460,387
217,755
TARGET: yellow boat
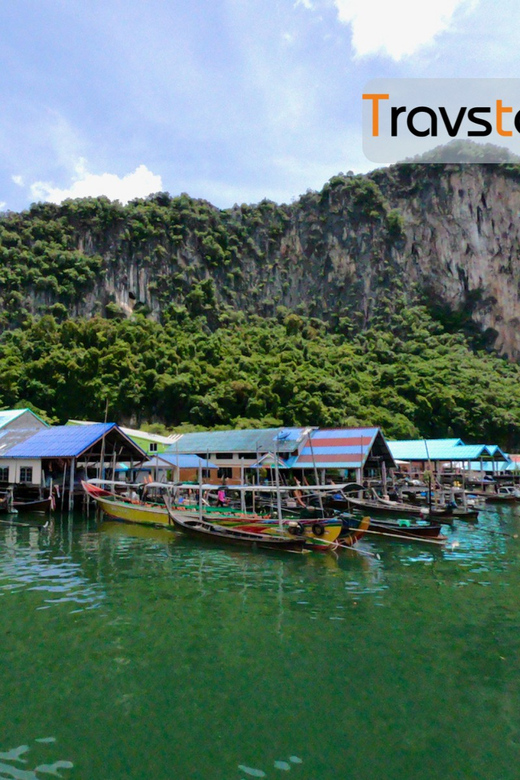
x,y
126,509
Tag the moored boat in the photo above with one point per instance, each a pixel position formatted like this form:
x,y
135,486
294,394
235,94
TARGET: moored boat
x,y
38,505
403,528
126,508
213,532
316,533
375,507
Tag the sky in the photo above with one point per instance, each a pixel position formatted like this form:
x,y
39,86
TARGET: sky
x,y
228,100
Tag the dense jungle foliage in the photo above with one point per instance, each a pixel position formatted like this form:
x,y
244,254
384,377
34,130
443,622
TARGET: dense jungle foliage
x,y
176,313
412,378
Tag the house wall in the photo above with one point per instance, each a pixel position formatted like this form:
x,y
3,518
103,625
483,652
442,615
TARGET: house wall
x,y
25,420
146,445
16,464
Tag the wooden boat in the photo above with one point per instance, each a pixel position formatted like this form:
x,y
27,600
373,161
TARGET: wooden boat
x,y
39,505
316,533
350,535
504,495
127,509
469,514
199,529
375,507
404,529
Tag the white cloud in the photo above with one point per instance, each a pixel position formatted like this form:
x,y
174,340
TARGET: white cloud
x,y
138,184
398,28
17,180
3,204
306,4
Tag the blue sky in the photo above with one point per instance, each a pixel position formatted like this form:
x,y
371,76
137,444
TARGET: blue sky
x,y
228,100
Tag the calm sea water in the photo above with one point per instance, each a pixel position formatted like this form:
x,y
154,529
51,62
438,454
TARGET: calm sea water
x,y
131,653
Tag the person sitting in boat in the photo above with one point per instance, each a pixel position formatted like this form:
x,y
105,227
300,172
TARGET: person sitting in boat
x,y
298,495
221,497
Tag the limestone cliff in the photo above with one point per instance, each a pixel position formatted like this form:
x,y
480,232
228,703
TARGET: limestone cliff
x,y
447,235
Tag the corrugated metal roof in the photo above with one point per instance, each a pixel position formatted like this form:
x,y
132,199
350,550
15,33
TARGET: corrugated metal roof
x,y
337,448
494,449
423,449
11,437
441,449
492,467
132,432
8,415
256,440
470,451
164,460
61,441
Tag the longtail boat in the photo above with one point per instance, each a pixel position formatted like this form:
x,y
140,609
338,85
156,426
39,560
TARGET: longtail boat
x,y
317,533
130,510
405,529
375,506
200,529
38,505
350,535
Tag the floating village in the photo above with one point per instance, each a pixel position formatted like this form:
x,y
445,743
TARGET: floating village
x,y
295,489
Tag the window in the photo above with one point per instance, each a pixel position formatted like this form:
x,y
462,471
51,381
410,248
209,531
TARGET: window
x,y
4,474
224,472
26,474
153,446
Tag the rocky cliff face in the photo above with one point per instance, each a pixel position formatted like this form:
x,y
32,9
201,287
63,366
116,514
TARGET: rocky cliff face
x,y
447,235
462,246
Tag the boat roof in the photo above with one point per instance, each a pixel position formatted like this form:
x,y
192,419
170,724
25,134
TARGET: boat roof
x,y
259,488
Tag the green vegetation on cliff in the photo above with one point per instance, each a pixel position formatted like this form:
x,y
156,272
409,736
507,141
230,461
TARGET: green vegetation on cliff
x,y
357,304
412,378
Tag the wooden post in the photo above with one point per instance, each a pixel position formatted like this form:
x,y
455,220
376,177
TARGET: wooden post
x,y
71,484
63,487
242,493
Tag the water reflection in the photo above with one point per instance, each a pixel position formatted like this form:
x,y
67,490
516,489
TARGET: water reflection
x,y
157,649
8,770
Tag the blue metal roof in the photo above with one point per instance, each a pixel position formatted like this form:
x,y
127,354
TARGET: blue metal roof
x,y
10,437
424,449
166,459
61,441
254,441
442,449
492,467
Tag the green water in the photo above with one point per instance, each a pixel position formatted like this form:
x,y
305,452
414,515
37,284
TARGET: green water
x,y
130,653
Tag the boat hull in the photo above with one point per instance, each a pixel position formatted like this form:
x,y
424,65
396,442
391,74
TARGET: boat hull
x,y
199,529
133,513
392,529
375,508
